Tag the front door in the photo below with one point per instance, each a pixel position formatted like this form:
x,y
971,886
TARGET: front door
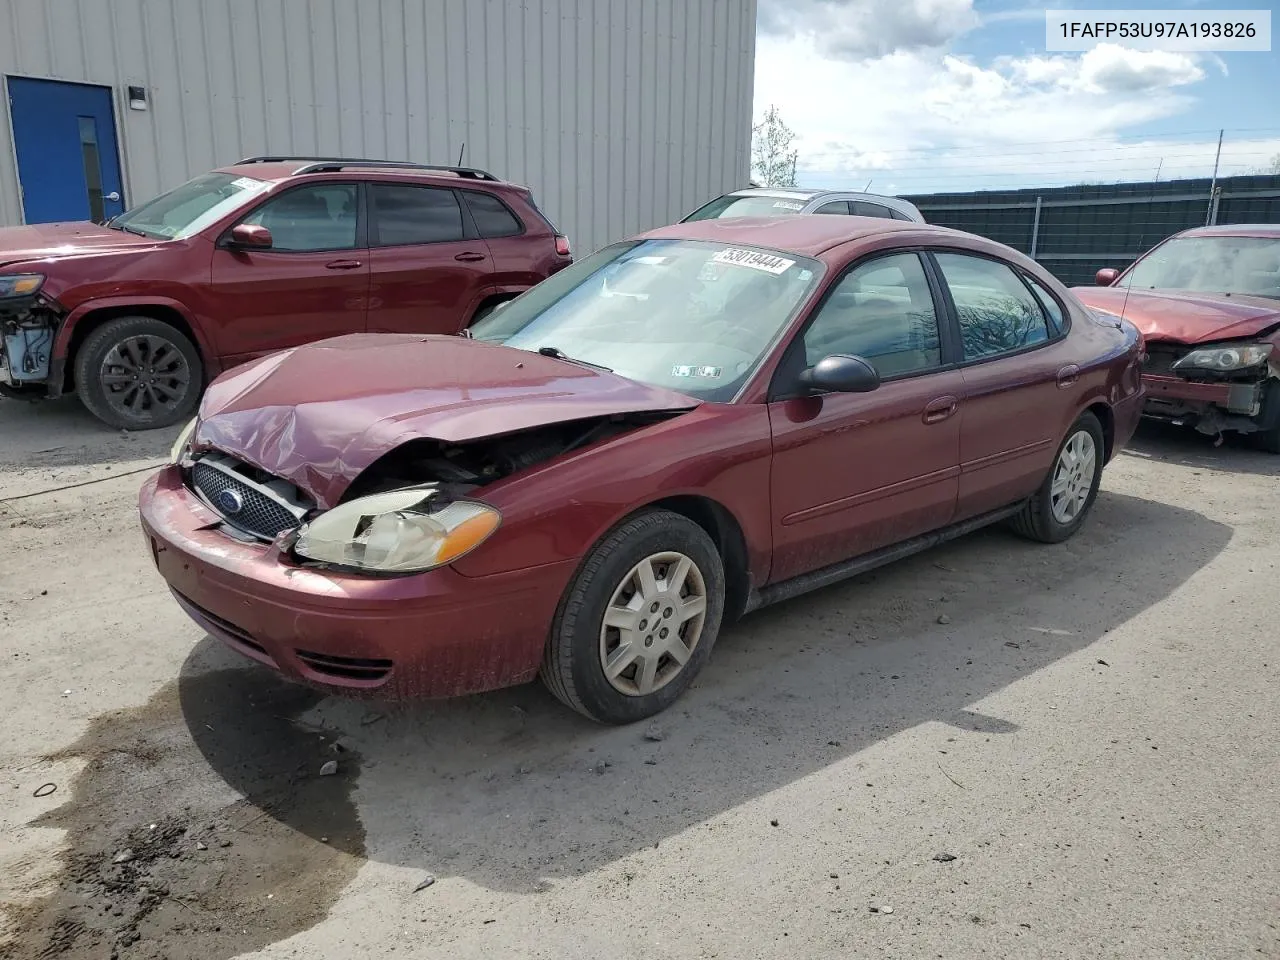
x,y
64,135
312,283
855,472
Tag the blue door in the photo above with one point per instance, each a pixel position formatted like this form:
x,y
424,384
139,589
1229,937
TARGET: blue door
x,y
65,137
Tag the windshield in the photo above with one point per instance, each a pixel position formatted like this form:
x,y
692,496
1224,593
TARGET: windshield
x,y
692,316
748,206
190,208
1248,266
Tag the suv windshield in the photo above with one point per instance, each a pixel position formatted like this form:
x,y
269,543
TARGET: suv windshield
x,y
188,209
747,206
1249,266
692,316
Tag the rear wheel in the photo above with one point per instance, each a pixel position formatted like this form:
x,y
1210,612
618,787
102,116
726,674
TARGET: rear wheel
x,y
638,621
139,373
1058,509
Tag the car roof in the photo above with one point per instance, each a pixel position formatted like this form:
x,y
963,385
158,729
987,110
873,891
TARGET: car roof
x,y
804,236
1268,230
810,193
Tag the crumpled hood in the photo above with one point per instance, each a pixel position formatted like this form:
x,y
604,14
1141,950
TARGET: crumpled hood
x,y
319,414
1185,317
44,241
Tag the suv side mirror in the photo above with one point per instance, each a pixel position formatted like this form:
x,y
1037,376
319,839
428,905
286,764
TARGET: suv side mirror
x,y
1106,276
251,236
840,373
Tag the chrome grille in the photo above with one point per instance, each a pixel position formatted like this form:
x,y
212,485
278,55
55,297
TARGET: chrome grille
x,y
262,509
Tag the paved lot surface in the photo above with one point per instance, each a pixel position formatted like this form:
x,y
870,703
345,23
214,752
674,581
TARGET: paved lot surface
x,y
1092,735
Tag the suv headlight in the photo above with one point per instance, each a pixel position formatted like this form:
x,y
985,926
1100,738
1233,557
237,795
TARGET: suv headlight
x,y
405,531
20,284
179,449
1235,357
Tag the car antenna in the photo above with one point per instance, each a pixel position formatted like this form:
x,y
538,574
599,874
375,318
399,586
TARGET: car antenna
x,y
461,150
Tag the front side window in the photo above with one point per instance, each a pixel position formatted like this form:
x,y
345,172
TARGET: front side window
x,y
491,215
313,218
882,311
692,316
403,214
996,311
1248,266
192,207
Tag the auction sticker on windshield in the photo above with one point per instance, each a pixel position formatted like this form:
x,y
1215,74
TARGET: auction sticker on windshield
x,y
755,260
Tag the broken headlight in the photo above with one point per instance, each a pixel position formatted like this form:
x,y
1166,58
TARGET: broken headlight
x,y
1235,357
405,531
20,285
180,446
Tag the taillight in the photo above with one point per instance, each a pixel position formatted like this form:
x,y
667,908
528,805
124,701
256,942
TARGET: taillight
x,y
562,246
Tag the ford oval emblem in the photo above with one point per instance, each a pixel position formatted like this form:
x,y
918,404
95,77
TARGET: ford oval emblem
x,y
229,502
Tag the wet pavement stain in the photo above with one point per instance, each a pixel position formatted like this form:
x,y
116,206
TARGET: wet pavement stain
x,y
199,829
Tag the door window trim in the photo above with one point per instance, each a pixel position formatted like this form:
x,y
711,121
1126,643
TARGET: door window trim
x,y
948,339
362,239
954,314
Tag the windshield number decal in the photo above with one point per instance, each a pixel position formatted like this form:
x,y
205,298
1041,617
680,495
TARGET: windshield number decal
x,y
245,183
789,205
707,373
755,260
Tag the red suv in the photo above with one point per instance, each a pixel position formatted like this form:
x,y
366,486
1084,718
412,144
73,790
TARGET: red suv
x,y
138,314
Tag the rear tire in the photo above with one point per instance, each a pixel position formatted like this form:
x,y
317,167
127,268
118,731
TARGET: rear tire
x,y
1059,508
139,373
1268,440
662,627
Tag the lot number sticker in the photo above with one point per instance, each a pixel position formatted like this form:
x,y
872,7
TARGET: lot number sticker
x,y
755,260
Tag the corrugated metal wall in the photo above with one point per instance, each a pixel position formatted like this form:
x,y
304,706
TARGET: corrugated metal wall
x,y
620,114
1078,230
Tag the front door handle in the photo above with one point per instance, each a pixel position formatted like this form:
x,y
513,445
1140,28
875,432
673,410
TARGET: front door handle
x,y
342,264
469,257
936,411
1068,375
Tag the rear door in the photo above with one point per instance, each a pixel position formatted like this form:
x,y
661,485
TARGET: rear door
x,y
429,270
1019,381
855,472
523,254
311,284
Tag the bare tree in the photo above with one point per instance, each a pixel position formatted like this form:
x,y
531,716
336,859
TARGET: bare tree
x,y
1274,167
772,160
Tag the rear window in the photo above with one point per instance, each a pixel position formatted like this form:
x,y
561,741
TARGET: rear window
x,y
492,217
748,206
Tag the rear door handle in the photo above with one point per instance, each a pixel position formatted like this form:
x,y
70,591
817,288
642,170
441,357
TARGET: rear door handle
x,y
469,257
1068,375
342,264
936,411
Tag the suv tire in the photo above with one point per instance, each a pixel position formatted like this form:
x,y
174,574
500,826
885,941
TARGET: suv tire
x,y
139,373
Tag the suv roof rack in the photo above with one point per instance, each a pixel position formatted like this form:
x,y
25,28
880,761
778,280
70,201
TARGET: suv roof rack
x,y
330,164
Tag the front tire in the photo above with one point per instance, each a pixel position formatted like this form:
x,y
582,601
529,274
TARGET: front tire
x,y
638,621
139,373
1058,509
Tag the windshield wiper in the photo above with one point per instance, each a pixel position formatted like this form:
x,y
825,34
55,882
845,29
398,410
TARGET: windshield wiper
x,y
128,229
561,355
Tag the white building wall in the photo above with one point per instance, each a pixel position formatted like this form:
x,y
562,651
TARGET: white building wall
x,y
620,114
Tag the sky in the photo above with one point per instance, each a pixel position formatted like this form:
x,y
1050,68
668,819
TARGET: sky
x,y
920,96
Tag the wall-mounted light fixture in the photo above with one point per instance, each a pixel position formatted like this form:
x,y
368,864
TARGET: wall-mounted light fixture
x,y
137,98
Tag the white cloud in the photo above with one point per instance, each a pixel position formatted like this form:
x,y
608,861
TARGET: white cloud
x,y
924,119
861,29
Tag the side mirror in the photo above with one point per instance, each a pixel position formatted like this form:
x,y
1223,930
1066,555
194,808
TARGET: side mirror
x,y
841,374
250,236
1106,276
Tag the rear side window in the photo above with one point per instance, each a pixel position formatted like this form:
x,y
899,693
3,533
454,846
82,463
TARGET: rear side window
x,y
860,208
491,215
997,313
898,214
402,214
1051,306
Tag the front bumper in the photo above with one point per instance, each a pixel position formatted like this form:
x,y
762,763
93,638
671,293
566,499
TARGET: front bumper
x,y
437,634
1211,407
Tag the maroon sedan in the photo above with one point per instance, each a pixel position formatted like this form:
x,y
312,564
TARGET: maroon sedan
x,y
676,430
1208,303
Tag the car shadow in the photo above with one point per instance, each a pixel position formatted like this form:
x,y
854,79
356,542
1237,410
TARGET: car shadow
x,y
57,433
1156,440
512,791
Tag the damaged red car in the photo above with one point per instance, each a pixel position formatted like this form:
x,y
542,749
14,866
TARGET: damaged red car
x,y
1208,303
674,431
